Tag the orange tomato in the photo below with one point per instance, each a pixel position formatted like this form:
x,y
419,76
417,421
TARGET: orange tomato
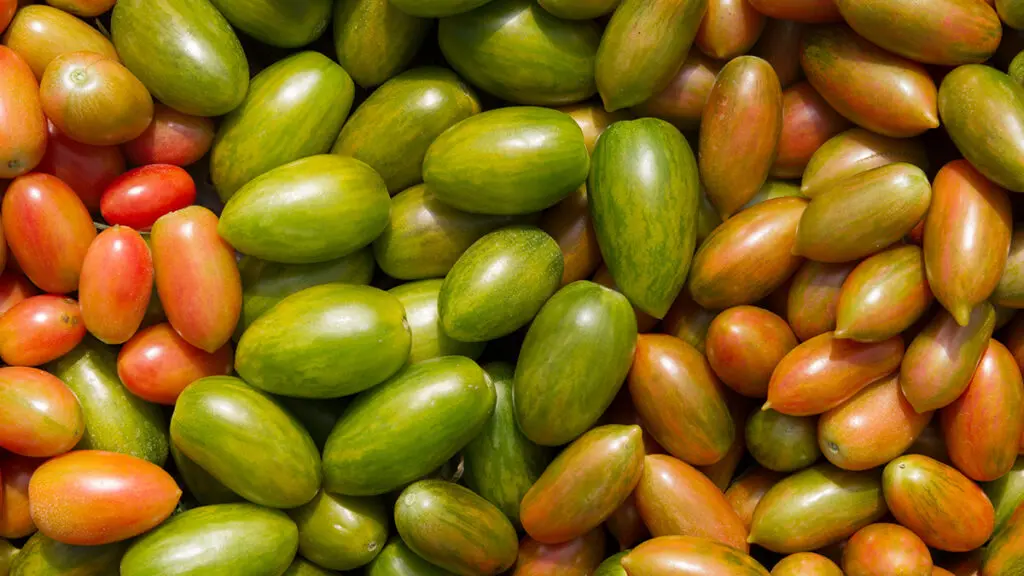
x,y
23,138
94,99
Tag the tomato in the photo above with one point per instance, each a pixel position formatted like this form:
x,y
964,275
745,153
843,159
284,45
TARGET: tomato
x,y
14,288
83,8
39,415
7,10
23,138
88,170
141,196
92,497
116,284
40,329
48,229
15,518
94,99
172,138
197,277
157,364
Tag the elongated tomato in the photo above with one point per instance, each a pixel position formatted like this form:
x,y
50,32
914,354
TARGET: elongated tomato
x,y
23,139
938,503
689,556
157,364
196,277
116,284
676,499
141,196
983,426
48,229
40,329
821,373
92,497
86,169
39,415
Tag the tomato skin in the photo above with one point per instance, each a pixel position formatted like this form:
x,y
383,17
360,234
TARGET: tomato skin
x,y
40,329
39,415
94,99
15,518
7,10
197,277
88,170
142,195
92,497
172,138
157,364
48,230
14,288
116,284
23,139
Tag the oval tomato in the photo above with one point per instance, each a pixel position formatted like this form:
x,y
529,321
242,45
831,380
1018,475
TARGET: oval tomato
x,y
197,277
88,170
141,196
92,497
172,138
40,329
15,518
157,364
116,284
39,415
48,229
94,99
14,288
7,10
23,139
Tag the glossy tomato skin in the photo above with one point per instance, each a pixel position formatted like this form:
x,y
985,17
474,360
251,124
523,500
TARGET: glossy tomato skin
x,y
40,329
48,229
88,170
116,284
142,195
39,414
15,518
7,10
157,364
92,497
14,288
94,99
197,277
172,138
23,139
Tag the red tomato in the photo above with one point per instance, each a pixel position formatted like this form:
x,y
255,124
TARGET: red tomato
x,y
157,364
88,170
15,518
196,277
7,10
95,99
39,415
23,137
141,196
14,288
117,281
48,230
92,497
40,329
172,138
